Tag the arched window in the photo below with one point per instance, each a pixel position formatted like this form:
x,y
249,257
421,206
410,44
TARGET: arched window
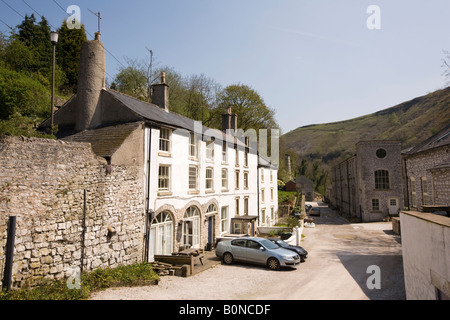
x,y
381,179
161,235
211,209
191,227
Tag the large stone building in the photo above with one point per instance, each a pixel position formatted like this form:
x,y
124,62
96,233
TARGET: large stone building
x,y
368,186
427,172
426,236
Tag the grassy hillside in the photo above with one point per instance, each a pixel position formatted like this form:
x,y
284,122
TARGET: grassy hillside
x,y
410,122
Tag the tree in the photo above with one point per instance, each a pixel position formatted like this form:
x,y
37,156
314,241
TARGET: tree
x,y
200,98
248,105
446,66
36,37
68,51
132,81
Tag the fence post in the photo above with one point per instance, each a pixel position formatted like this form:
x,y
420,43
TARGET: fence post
x,y
9,253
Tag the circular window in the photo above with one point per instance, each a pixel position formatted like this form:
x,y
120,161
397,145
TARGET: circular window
x,y
381,153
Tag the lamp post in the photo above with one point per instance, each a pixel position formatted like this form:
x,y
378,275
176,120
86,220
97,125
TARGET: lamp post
x,y
54,40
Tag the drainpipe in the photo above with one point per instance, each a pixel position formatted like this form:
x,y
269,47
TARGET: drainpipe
x,y
149,213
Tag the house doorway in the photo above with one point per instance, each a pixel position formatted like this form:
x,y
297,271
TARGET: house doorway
x,y
191,227
211,213
161,235
393,206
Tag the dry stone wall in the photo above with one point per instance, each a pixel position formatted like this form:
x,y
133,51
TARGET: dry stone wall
x,y
60,191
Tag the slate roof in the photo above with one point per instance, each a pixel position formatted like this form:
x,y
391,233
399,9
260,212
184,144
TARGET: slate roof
x,y
442,138
105,141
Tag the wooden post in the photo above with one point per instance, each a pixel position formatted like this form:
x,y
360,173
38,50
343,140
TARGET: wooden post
x,y
9,253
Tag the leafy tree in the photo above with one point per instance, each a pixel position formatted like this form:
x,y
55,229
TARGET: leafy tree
x,y
132,81
200,98
36,37
248,105
21,94
68,51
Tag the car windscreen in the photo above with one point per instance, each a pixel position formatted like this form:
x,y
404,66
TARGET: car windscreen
x,y
268,244
282,243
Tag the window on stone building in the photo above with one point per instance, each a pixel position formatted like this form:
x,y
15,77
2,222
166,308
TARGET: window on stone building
x,y
424,191
375,205
413,193
381,153
164,139
381,179
263,215
237,179
246,206
237,206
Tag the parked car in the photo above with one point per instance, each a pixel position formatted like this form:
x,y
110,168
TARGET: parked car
x,y
299,250
315,211
258,251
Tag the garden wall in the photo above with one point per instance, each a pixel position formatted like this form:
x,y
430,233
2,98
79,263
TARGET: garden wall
x,y
60,191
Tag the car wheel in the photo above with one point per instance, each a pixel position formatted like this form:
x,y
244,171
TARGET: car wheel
x,y
273,264
227,258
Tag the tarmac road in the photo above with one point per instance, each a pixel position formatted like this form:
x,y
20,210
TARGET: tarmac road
x,y
339,255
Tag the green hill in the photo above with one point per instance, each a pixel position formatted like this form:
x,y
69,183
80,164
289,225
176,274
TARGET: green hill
x,y
410,122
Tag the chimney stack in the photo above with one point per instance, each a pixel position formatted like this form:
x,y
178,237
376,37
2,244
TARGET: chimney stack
x,y
160,95
229,121
91,81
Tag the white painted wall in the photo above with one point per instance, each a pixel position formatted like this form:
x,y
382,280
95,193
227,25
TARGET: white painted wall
x,y
426,254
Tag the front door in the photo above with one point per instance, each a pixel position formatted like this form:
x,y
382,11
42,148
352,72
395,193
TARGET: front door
x,y
161,236
393,206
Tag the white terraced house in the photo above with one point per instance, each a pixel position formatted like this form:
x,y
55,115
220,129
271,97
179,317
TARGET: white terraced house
x,y
197,183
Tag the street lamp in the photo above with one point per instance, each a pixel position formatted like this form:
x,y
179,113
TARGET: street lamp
x,y
54,40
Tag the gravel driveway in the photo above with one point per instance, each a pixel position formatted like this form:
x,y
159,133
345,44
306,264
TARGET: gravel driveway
x,y
337,268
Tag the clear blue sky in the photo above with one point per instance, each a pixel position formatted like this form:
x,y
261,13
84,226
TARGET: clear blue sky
x,y
311,61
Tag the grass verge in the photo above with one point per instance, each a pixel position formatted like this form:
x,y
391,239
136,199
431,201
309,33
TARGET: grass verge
x,y
100,279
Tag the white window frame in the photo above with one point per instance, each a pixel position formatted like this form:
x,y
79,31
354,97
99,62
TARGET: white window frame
x,y
209,179
193,145
165,137
164,177
210,150
224,179
224,223
191,176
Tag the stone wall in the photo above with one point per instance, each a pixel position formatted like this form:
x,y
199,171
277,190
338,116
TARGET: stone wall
x,y
431,182
50,186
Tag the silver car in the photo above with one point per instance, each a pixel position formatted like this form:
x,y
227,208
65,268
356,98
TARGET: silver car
x,y
256,250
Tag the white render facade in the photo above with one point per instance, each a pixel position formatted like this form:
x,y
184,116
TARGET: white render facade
x,y
199,190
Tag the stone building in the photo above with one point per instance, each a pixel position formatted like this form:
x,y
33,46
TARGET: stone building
x,y
427,172
368,186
